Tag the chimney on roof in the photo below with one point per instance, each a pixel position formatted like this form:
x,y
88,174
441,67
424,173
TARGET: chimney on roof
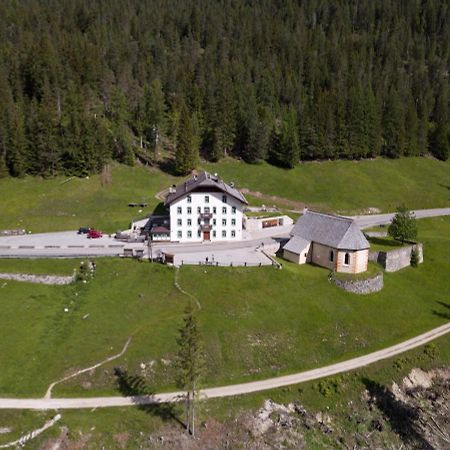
x,y
173,189
232,184
195,177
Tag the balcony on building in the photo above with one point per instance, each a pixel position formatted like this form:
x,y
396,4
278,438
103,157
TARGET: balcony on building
x,y
205,227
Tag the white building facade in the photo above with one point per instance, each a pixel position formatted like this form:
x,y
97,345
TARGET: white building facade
x,y
205,208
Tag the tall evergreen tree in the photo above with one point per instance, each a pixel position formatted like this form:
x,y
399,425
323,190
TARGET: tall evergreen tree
x,y
190,364
394,126
186,157
153,113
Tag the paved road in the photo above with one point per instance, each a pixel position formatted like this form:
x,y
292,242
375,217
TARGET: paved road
x,y
68,244
231,390
382,219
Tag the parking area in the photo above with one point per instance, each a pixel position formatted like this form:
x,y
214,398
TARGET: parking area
x,y
69,244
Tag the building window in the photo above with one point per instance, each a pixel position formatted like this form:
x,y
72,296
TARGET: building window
x,y
233,221
199,221
179,222
233,233
224,233
224,210
199,210
189,210
331,256
214,233
189,233
224,222
189,199
233,210
214,221
214,210
206,209
189,222
206,198
347,259
199,233
224,198
179,209
179,234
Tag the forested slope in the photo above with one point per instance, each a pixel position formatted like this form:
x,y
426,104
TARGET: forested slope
x,y
82,82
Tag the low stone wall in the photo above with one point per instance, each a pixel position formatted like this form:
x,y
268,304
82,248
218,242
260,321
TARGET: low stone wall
x,y
397,259
375,233
367,286
40,279
17,232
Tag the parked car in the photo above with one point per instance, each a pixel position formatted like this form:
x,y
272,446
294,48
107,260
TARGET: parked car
x,y
84,230
94,234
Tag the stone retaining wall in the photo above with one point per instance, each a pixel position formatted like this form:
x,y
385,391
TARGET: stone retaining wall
x,y
397,259
41,279
366,286
17,232
375,233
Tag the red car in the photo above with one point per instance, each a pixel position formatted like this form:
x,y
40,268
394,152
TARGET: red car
x,y
94,234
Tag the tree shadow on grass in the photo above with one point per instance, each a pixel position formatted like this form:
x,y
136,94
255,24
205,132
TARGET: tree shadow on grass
x,y
443,314
167,165
401,417
135,386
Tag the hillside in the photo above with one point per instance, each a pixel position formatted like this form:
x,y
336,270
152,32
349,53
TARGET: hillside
x,y
82,82
63,203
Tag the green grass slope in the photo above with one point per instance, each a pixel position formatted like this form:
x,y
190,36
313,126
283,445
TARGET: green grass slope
x,y
57,204
342,186
256,322
348,186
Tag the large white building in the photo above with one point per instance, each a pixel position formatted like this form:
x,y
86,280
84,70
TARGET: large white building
x,y
204,208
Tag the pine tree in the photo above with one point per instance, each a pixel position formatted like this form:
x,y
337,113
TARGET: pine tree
x,y
153,113
16,156
394,126
357,124
190,364
186,156
285,147
122,137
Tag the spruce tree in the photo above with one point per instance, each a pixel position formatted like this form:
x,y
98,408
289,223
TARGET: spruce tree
x,y
186,156
153,114
190,364
16,156
394,126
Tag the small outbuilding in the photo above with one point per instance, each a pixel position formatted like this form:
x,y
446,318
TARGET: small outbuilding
x,y
329,241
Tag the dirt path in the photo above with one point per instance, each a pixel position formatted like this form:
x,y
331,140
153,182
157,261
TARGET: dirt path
x,y
297,206
177,285
48,394
19,443
231,390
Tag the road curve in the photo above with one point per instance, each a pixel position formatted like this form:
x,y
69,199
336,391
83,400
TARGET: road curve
x,y
231,390
383,219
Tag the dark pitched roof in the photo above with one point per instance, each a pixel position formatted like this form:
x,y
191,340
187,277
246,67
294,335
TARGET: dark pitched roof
x,y
203,180
334,231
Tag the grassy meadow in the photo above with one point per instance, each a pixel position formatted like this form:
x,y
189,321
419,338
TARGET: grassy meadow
x,y
63,203
256,322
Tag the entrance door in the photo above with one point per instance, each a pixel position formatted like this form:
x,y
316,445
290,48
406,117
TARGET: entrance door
x,y
206,236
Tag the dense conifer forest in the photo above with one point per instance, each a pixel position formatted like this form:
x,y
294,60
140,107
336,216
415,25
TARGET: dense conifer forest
x,y
83,82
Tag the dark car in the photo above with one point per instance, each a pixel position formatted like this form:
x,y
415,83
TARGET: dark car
x,y
84,230
94,234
